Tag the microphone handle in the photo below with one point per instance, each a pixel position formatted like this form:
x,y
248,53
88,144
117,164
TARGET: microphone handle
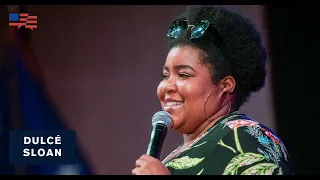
x,y
157,138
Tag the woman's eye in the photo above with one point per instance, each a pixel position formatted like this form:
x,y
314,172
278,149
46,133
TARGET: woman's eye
x,y
183,75
164,76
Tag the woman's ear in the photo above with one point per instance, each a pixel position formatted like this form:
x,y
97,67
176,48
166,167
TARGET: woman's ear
x,y
228,84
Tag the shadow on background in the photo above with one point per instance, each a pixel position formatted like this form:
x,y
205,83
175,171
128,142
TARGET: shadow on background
x,y
294,45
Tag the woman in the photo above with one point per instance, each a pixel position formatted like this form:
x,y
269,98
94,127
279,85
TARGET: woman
x,y
215,62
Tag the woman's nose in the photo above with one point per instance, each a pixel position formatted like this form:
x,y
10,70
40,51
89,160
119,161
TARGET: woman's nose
x,y
170,87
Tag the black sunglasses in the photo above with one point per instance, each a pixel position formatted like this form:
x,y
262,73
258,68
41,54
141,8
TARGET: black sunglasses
x,y
196,30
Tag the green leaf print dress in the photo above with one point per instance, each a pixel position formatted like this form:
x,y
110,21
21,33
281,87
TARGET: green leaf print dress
x,y
236,145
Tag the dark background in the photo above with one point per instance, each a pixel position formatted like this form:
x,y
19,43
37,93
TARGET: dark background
x,y
294,41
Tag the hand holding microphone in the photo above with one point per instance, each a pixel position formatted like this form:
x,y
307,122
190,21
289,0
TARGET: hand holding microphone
x,y
149,163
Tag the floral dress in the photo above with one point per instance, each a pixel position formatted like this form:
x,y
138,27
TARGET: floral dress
x,y
236,145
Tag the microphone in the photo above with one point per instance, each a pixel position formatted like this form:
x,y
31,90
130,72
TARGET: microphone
x,y
161,122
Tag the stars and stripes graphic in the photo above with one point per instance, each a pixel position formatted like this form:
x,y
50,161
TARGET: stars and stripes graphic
x,y
23,19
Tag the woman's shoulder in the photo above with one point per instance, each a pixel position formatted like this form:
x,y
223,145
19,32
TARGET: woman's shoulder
x,y
247,127
251,127
254,140
242,125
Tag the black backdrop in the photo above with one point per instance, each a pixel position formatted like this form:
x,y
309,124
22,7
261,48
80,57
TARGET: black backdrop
x,y
294,34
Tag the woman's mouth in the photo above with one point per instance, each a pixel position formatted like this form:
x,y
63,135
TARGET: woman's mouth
x,y
172,106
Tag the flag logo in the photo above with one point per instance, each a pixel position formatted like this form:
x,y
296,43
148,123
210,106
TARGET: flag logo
x,y
23,19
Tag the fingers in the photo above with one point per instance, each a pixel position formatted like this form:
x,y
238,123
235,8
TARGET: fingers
x,y
139,171
147,157
148,165
140,162
134,171
144,156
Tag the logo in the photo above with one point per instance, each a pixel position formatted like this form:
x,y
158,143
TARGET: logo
x,y
42,147
23,19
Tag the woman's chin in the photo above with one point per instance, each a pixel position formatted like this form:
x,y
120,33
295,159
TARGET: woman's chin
x,y
177,119
180,130
176,123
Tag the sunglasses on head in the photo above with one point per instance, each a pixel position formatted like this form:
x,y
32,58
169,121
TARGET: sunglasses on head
x,y
197,30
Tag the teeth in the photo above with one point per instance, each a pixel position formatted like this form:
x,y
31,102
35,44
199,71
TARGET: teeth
x,y
173,103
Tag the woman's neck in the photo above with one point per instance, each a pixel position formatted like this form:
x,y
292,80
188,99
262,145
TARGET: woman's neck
x,y
189,138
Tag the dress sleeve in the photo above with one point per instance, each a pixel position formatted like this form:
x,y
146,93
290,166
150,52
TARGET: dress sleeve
x,y
251,150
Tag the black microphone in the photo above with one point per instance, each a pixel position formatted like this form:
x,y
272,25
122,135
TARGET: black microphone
x,y
161,122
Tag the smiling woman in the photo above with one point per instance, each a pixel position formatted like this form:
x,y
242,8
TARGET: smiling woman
x,y
215,62
188,82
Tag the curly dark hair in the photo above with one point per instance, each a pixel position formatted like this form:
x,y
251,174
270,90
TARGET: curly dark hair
x,y
230,46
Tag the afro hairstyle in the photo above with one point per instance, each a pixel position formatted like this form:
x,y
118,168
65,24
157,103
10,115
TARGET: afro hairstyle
x,y
230,46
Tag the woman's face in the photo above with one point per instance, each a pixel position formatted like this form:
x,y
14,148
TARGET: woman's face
x,y
184,88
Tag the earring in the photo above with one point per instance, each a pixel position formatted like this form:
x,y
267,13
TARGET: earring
x,y
230,104
205,102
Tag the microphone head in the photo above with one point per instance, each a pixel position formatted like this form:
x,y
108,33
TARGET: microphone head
x,y
162,117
